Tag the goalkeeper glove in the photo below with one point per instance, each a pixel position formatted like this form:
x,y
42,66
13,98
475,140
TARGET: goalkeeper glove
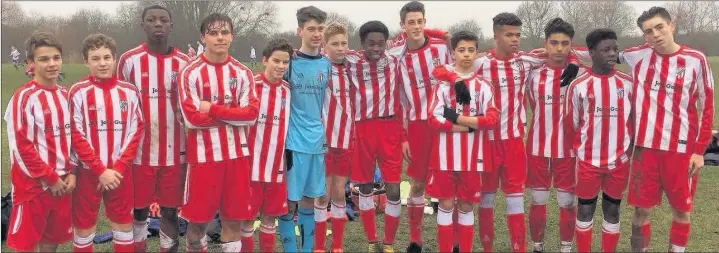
x,y
450,114
569,74
288,159
462,92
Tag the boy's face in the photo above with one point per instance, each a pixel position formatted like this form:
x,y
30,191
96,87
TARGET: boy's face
x,y
101,62
217,38
47,62
658,32
413,25
604,54
374,46
558,46
507,38
336,47
311,33
276,65
157,25
464,53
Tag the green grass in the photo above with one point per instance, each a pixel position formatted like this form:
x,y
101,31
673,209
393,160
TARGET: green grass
x,y
705,226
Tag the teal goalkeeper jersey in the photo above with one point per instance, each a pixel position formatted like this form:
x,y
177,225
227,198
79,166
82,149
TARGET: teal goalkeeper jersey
x,y
308,77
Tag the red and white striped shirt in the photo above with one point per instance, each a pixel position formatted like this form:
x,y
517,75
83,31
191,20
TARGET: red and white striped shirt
x,y
599,118
267,137
461,151
38,132
107,117
416,68
339,108
546,99
155,76
674,98
508,76
220,134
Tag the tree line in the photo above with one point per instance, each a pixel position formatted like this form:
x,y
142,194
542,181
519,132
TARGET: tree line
x,y
256,23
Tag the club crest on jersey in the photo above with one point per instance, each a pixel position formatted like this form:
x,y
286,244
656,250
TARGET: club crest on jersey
x,y
435,62
680,72
123,105
620,93
320,76
173,76
233,83
519,65
590,97
283,102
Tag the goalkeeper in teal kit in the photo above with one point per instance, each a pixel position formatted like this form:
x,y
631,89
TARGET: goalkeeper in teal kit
x,y
308,75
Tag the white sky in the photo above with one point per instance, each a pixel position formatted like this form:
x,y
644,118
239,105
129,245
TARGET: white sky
x,y
439,13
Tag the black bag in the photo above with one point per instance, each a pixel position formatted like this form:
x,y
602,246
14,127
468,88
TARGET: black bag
x,y
6,211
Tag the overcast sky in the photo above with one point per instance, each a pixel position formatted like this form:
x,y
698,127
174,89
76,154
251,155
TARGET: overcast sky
x,y
439,13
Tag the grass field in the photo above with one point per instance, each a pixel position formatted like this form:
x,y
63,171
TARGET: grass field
x,y
705,226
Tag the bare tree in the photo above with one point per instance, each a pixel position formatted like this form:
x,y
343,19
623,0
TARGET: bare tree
x,y
694,17
334,17
469,25
586,16
12,13
535,15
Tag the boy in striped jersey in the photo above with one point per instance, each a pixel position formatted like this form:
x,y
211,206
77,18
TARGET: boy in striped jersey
x,y
218,104
160,168
598,118
549,160
41,170
461,146
267,144
108,119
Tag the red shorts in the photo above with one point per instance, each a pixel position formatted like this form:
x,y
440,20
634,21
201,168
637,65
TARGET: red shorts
x,y
591,179
161,184
269,199
510,167
465,185
42,219
657,171
420,139
378,139
339,162
223,185
542,172
86,200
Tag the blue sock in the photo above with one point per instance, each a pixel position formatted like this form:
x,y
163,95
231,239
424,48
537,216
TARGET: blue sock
x,y
287,232
306,221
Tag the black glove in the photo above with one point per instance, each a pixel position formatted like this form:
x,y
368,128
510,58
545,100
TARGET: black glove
x,y
450,114
569,74
470,130
288,159
462,92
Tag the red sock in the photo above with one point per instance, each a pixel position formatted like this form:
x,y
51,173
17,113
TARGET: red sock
x,y
646,235
338,230
368,222
390,228
247,244
267,241
140,246
537,222
486,228
320,234
609,241
679,234
465,233
414,218
584,239
517,232
116,247
567,220
445,237
88,248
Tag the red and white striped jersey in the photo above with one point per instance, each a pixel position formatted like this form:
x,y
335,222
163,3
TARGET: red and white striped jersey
x,y
339,109
377,86
416,68
107,118
674,98
507,76
38,132
267,137
220,134
155,76
461,151
546,99
598,114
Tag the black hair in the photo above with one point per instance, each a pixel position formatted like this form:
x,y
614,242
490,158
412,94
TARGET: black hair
x,y
505,18
279,44
598,35
464,36
558,25
653,12
215,17
373,26
155,7
413,6
308,13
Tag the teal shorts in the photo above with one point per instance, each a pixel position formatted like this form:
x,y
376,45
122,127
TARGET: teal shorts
x,y
306,177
